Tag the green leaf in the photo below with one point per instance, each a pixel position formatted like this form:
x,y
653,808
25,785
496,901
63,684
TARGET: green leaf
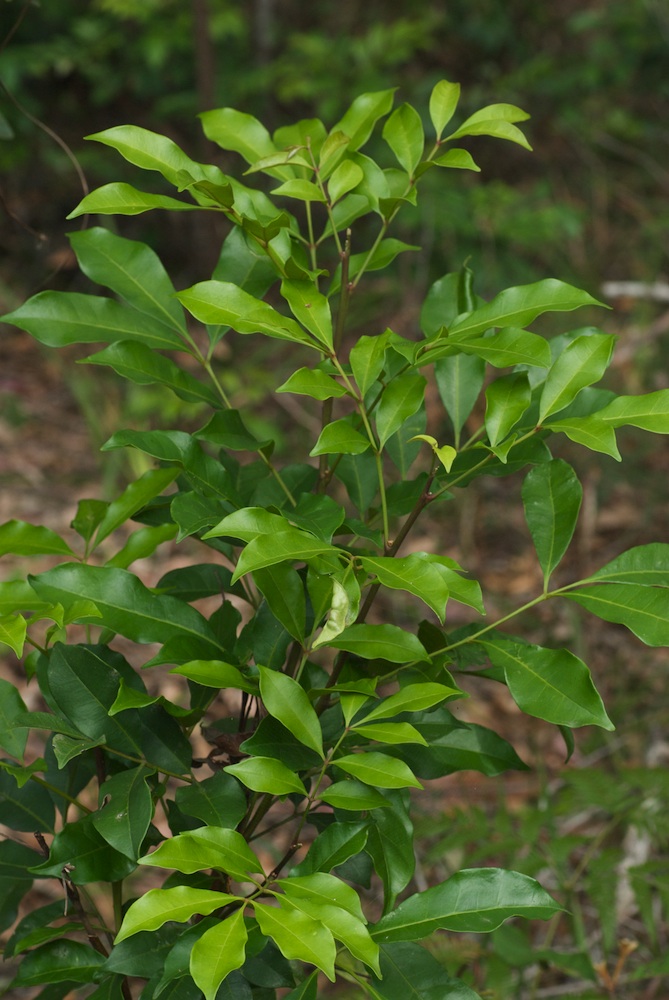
x,y
443,102
66,748
126,811
551,684
287,701
391,847
403,132
61,318
366,359
264,774
507,399
287,545
307,990
216,801
61,961
248,523
310,307
474,900
582,362
157,906
126,605
208,847
152,151
333,847
643,564
92,858
301,190
359,476
650,412
591,432
142,365
15,878
219,951
387,642
119,198
217,674
459,381
225,303
643,610
143,543
23,539
132,270
378,770
354,796
344,178
339,438
361,117
344,927
457,159
13,629
27,808
88,516
552,496
411,698
415,574
312,382
298,936
134,497
389,732
498,129
519,306
283,589
412,973
238,132
502,349
400,400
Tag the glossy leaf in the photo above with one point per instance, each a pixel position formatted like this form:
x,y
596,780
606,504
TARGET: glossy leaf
x,y
650,412
208,847
283,589
287,701
457,159
387,642
310,307
225,303
132,270
119,198
361,117
339,438
219,951
216,801
238,132
582,362
344,178
503,349
134,497
459,381
298,936
366,359
23,539
390,845
591,432
354,796
400,400
474,900
13,629
643,610
152,151
403,132
390,733
28,807
551,684
443,102
287,545
414,574
552,496
507,399
643,564
265,774
215,673
92,858
344,927
61,318
59,962
333,847
411,698
314,383
410,972
126,811
155,907
378,770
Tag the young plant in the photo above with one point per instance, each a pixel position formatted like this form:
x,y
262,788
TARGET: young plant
x,y
321,714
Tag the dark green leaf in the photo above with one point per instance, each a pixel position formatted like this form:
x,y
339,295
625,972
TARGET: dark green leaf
x,y
141,364
126,812
582,362
552,497
387,642
23,539
339,437
412,973
283,589
333,847
59,961
92,859
644,564
643,610
459,381
27,808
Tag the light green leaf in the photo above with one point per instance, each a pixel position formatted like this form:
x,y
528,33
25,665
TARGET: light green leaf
x,y
403,132
156,906
22,539
366,359
550,684
503,349
301,190
61,318
643,610
552,496
443,102
496,128
323,888
298,936
387,642
215,673
354,796
338,842
248,523
13,632
389,732
650,412
142,543
643,564
378,770
344,178
265,774
119,198
287,545
312,382
344,927
240,133
207,847
507,399
583,361
591,432
310,307
140,364
411,698
152,151
473,900
360,119
287,701
340,438
400,400
222,302
219,951
132,270
458,159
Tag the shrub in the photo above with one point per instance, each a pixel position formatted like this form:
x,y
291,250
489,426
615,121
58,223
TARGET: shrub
x,y
319,713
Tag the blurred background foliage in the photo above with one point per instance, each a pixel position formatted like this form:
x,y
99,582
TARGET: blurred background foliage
x,y
589,205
